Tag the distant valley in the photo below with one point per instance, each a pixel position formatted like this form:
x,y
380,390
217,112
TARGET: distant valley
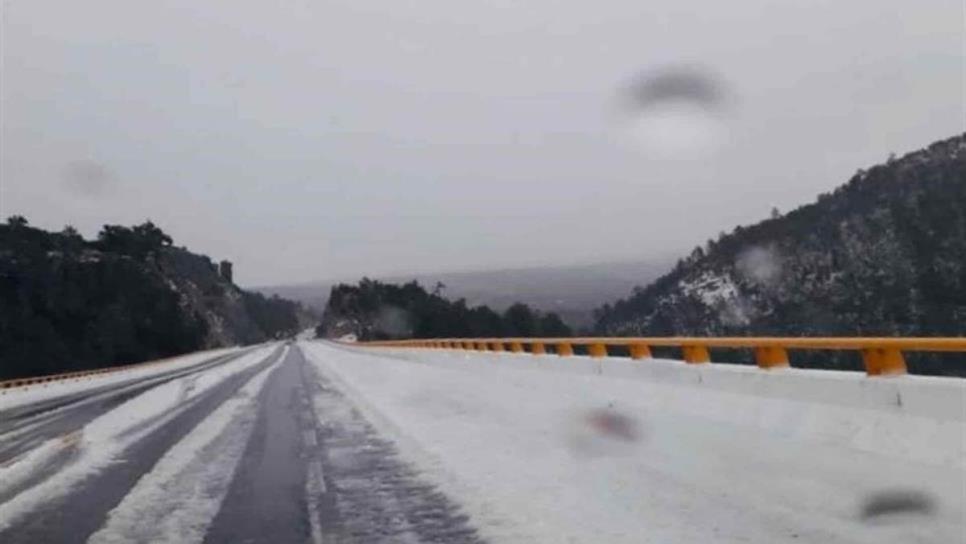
x,y
573,292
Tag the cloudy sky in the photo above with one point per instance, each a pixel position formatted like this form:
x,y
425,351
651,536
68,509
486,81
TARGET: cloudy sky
x,y
308,140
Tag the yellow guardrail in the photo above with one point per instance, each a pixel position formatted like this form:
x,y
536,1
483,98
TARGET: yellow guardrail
x,y
879,355
21,382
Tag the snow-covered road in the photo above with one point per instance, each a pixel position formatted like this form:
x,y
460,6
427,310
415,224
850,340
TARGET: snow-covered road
x,y
318,442
245,446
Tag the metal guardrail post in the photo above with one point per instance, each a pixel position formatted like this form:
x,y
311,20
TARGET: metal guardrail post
x,y
640,351
696,354
771,357
597,350
879,361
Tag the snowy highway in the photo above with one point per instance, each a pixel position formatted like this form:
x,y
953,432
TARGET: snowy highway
x,y
320,442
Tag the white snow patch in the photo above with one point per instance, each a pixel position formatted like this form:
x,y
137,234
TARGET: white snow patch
x,y
314,487
26,467
307,334
710,288
722,295
761,265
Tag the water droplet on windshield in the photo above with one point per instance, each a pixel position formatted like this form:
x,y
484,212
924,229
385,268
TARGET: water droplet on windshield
x,y
893,505
605,432
675,113
88,178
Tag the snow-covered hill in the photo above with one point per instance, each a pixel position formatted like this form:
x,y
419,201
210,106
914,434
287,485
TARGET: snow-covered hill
x,y
885,254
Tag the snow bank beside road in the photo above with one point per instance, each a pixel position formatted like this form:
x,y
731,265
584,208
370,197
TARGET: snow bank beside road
x,y
543,449
908,417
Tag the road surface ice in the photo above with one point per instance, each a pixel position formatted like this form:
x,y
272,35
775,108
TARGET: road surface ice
x,y
545,449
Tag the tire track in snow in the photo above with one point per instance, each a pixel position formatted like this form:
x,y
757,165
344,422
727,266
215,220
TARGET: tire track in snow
x,y
319,504
72,504
36,465
26,427
377,496
279,491
176,501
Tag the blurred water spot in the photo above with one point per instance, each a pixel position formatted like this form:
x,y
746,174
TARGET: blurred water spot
x,y
88,178
393,321
675,113
896,504
760,265
605,432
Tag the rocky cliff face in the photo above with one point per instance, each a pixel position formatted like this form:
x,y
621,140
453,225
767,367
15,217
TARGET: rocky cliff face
x,y
204,292
884,254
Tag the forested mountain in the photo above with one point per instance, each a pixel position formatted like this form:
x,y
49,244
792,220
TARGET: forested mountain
x,y
884,254
375,310
70,304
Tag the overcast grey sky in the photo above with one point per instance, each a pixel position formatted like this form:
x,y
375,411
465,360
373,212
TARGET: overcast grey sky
x,y
310,140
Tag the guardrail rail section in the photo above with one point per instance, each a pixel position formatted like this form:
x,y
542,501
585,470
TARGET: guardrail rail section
x,y
81,374
880,356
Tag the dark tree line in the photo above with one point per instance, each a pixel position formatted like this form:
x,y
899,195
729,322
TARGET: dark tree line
x,y
276,317
67,304
70,304
374,310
